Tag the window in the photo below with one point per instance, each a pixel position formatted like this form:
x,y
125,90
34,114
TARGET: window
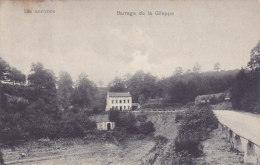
x,y
128,101
116,101
124,101
112,101
124,107
128,107
116,107
120,101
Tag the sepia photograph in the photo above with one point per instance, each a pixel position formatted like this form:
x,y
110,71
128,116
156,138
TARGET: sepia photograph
x,y
130,82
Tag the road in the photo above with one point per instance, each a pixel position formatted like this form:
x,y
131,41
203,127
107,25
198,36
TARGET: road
x,y
245,124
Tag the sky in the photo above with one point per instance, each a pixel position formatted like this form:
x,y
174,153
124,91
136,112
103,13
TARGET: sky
x,y
88,36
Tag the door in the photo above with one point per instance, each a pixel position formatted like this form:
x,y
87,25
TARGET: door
x,y
108,126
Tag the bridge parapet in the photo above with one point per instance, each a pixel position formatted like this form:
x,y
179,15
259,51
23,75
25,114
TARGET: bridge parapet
x,y
250,150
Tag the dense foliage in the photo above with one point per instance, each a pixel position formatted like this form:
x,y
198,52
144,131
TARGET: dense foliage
x,y
39,109
178,88
246,91
131,123
50,106
246,88
195,125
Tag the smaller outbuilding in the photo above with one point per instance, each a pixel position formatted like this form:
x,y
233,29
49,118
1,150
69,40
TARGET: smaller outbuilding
x,y
212,98
105,126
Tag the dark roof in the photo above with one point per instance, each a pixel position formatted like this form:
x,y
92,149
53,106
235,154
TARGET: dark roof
x,y
209,96
119,94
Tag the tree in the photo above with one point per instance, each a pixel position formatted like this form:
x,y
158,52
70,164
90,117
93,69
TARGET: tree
x,y
239,89
43,83
143,86
4,70
217,67
246,91
117,85
16,76
196,68
178,71
254,57
100,83
65,89
85,92
141,99
179,93
188,71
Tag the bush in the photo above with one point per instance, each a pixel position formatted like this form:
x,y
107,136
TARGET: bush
x,y
146,128
41,120
178,117
114,116
10,128
160,139
190,146
196,124
75,124
130,123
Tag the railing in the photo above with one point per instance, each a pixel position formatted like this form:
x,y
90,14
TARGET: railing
x,y
249,148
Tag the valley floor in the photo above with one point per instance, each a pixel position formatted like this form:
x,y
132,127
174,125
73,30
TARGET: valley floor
x,y
80,153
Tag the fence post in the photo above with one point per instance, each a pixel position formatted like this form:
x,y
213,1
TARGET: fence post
x,y
249,155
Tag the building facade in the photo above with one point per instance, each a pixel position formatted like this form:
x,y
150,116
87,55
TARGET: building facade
x,y
102,121
119,101
105,126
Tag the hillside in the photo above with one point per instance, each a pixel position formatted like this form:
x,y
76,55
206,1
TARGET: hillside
x,y
81,151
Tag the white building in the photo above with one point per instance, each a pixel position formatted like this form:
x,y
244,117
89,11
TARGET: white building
x,y
119,101
105,126
103,122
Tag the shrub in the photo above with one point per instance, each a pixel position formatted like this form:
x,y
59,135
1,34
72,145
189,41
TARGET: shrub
x,y
130,123
41,120
178,117
114,116
10,129
160,139
146,128
190,146
196,125
75,124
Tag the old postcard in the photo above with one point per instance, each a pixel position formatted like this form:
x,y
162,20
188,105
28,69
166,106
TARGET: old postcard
x,y
128,82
